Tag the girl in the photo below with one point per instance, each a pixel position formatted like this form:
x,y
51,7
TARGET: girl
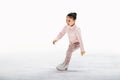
x,y
75,40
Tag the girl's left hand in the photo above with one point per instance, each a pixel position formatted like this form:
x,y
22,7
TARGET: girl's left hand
x,y
82,53
54,41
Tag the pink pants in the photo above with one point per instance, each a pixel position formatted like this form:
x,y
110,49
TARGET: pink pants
x,y
71,48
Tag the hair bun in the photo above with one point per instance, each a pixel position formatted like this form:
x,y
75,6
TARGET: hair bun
x,y
72,15
75,14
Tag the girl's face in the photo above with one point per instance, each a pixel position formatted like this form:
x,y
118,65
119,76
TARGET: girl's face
x,y
70,21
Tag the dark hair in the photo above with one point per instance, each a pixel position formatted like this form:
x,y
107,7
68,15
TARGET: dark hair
x,y
72,15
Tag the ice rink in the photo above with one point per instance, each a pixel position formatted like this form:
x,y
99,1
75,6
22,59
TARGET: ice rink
x,y
32,66
28,27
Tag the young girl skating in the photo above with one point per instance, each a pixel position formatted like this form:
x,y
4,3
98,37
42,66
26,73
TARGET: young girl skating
x,y
75,40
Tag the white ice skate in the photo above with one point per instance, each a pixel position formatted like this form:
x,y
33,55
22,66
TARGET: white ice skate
x,y
62,67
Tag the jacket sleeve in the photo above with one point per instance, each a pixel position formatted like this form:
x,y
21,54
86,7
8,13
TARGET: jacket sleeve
x,y
80,39
62,33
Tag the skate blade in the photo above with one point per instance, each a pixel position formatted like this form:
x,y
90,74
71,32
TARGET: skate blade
x,y
61,70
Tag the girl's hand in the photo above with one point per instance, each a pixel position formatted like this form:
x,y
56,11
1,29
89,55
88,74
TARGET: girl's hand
x,y
54,41
82,53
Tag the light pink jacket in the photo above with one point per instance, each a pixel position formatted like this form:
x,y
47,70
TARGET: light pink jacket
x,y
74,35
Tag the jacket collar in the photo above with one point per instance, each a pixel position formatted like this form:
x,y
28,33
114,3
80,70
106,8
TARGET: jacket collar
x,y
72,27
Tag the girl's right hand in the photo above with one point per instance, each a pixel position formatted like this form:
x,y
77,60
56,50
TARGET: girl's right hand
x,y
82,53
54,41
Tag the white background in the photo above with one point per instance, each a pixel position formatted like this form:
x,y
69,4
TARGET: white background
x,y
31,25
27,28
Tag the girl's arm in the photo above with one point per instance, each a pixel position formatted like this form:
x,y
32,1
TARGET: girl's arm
x,y
61,34
80,39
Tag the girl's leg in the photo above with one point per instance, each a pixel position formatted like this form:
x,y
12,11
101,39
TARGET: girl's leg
x,y
71,48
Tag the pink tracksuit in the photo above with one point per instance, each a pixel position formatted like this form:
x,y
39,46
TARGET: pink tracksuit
x,y
75,40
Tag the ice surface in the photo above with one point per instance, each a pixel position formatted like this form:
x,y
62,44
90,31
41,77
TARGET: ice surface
x,y
34,66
